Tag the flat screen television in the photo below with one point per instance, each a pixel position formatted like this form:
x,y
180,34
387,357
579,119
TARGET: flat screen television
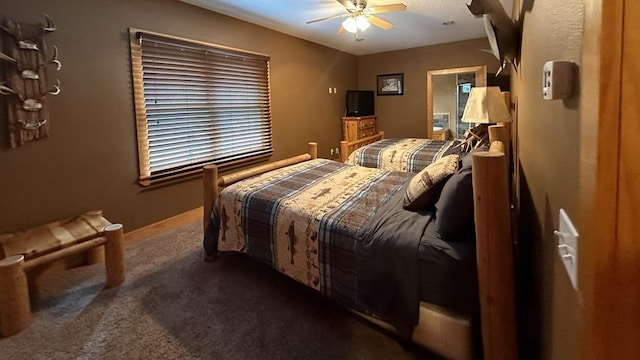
x,y
359,103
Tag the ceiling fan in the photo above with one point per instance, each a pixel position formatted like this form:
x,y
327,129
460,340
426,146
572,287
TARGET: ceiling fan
x,y
360,17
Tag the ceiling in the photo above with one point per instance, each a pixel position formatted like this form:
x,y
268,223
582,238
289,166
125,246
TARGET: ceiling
x,y
420,25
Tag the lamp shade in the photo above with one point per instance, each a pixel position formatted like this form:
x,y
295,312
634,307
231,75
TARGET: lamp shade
x,y
486,105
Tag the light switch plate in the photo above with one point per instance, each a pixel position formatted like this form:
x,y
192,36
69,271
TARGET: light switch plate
x,y
568,246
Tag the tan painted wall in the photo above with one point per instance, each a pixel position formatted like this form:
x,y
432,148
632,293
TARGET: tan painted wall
x,y
549,152
90,159
406,115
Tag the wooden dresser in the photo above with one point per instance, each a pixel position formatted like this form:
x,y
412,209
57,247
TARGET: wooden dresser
x,y
355,128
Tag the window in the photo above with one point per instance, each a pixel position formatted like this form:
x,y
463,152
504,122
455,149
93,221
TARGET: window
x,y
197,103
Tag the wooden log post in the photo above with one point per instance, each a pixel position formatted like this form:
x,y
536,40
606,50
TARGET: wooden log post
x,y
83,247
96,254
494,255
15,311
209,192
114,255
501,133
344,151
229,179
313,150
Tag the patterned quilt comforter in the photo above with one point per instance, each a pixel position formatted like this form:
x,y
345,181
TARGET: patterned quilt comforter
x,y
402,154
306,221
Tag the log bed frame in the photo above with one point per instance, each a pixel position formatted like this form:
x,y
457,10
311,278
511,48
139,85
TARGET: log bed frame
x,y
443,333
347,147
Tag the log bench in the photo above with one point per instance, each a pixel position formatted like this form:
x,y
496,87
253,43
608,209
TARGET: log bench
x,y
27,251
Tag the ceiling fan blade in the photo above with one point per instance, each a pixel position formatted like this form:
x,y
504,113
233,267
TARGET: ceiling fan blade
x,y
387,8
341,30
383,24
328,18
347,3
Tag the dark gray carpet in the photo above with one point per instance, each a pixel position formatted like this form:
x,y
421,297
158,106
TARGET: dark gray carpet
x,y
175,306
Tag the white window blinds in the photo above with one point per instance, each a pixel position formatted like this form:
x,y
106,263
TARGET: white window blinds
x,y
197,103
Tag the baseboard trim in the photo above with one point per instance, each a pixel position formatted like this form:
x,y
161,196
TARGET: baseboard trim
x,y
161,226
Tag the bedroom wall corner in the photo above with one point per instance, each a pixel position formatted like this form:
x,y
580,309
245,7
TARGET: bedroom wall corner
x,y
548,147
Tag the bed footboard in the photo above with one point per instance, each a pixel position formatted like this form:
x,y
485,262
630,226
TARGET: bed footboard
x,y
212,182
346,147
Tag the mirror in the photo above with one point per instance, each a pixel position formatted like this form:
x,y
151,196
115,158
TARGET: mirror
x,y
447,93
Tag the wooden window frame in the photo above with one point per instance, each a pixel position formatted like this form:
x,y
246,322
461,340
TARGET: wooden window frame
x,y
216,127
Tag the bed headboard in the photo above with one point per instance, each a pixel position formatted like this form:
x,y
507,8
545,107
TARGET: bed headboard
x,y
494,247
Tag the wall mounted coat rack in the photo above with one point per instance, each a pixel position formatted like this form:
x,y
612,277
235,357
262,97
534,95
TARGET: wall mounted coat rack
x,y
25,59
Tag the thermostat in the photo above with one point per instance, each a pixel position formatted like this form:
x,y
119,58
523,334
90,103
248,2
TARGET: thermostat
x,y
557,80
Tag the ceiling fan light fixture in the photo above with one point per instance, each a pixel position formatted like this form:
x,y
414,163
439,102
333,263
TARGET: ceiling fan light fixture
x,y
354,24
359,17
350,25
362,23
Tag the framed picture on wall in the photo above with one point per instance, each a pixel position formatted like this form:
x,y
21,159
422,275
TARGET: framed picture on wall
x,y
390,84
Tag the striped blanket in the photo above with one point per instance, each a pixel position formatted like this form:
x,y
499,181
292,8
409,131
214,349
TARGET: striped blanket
x,y
406,154
304,220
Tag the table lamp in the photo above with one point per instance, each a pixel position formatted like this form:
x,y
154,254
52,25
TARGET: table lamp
x,y
486,105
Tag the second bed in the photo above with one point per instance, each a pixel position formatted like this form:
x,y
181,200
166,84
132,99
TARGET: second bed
x,y
397,154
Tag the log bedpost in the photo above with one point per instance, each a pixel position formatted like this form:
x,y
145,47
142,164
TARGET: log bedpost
x,y
501,133
347,147
313,150
494,255
344,151
114,255
209,192
15,312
